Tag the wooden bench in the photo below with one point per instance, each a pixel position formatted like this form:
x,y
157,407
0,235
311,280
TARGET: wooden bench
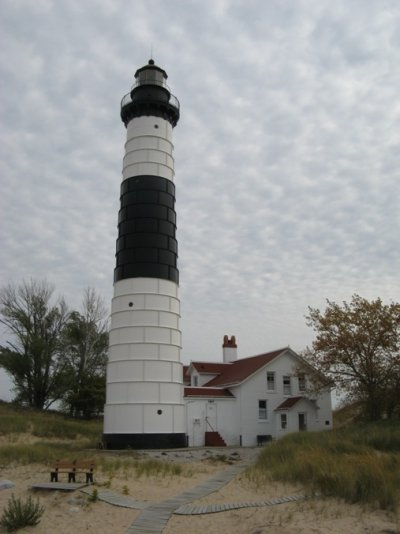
x,y
73,468
263,438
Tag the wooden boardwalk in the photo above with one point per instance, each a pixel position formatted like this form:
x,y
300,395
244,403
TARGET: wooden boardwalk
x,y
117,499
214,508
59,486
154,518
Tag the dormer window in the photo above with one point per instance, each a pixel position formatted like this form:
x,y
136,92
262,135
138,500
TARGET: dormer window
x,y
195,380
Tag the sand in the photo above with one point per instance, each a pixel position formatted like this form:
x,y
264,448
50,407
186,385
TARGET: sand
x,y
67,512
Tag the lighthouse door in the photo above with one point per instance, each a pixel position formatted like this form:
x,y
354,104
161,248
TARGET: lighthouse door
x,y
211,416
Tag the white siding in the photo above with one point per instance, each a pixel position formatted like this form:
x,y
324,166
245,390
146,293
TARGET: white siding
x,y
238,418
225,420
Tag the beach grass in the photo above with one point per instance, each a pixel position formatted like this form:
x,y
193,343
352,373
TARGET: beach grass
x,y
359,463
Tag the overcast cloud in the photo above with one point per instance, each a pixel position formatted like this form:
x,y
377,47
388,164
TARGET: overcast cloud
x,y
287,153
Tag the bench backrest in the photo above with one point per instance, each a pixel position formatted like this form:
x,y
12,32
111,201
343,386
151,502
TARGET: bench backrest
x,y
75,465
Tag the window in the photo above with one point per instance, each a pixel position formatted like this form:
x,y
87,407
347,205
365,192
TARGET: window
x,y
195,381
262,409
270,381
287,389
302,382
283,421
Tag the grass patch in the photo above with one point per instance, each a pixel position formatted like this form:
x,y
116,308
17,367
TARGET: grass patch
x,y
153,467
52,427
60,437
147,468
44,424
359,464
40,452
12,424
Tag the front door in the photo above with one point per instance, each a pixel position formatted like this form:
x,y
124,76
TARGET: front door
x,y
302,421
211,417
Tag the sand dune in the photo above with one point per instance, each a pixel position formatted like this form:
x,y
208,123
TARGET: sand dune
x,y
67,512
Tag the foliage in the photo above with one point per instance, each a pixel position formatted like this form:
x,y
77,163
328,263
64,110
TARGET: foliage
x,y
85,341
33,359
52,354
358,346
344,463
19,514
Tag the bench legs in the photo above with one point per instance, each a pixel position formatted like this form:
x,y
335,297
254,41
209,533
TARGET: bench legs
x,y
71,477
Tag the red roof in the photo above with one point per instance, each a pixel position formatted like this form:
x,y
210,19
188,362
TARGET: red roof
x,y
239,370
206,392
289,403
210,367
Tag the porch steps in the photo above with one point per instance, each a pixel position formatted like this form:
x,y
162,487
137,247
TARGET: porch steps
x,y
214,439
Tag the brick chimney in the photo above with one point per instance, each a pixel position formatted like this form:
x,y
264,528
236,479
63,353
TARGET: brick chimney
x,y
229,349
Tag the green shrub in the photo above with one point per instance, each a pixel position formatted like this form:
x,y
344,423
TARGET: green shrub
x,y
94,496
18,513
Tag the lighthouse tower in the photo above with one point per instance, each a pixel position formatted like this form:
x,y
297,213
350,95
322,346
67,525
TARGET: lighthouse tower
x,y
144,402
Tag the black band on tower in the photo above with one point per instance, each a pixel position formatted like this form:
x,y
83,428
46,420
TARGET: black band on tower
x,y
145,441
150,100
146,244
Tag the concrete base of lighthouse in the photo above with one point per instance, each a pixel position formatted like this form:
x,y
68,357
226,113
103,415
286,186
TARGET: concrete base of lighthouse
x,y
144,441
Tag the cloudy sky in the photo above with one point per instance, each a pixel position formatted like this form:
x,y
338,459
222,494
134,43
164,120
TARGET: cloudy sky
x,y
287,153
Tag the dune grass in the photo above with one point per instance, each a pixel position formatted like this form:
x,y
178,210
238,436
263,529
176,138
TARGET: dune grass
x,y
47,424
56,436
360,464
61,437
140,467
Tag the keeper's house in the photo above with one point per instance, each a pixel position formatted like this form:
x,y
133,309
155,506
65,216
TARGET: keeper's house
x,y
249,401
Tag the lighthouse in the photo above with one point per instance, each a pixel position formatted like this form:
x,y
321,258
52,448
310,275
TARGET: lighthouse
x,y
144,394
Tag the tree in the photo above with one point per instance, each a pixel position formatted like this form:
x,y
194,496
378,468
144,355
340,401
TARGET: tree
x,y
357,345
32,358
85,342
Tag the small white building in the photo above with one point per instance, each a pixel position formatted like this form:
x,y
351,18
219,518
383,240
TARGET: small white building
x,y
249,401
